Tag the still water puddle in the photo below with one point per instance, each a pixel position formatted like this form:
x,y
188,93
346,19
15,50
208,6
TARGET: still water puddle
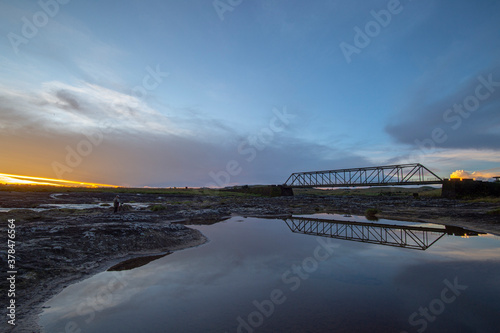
x,y
302,274
43,207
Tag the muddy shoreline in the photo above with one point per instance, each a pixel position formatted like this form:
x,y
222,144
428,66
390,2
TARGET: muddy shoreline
x,y
57,247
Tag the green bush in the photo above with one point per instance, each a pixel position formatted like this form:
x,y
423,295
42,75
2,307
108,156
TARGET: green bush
x,y
157,208
370,212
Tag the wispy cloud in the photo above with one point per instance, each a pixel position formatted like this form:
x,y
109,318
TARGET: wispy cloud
x,y
140,145
60,107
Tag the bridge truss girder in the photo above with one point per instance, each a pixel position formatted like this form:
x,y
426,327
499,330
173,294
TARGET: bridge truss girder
x,y
401,174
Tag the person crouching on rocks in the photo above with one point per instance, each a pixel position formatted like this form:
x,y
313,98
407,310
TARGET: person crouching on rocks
x,y
116,203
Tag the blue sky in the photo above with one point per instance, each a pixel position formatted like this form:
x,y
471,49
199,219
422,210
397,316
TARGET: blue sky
x,y
196,93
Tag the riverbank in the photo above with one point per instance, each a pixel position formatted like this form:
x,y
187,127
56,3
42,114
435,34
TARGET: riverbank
x,y
56,247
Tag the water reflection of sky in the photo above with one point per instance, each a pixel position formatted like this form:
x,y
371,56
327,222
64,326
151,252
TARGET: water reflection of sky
x,y
42,207
359,287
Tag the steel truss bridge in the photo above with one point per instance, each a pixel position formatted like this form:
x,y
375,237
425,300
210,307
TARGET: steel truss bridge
x,y
411,237
401,174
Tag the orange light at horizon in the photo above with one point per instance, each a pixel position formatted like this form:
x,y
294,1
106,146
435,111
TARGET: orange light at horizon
x,y
475,175
11,179
459,174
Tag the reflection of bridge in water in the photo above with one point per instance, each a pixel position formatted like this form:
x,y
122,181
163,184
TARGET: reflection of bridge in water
x,y
412,237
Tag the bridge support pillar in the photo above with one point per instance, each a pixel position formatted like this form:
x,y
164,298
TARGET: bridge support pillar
x,y
286,191
468,188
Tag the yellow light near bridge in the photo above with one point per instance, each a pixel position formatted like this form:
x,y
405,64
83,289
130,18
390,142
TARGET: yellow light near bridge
x,y
10,179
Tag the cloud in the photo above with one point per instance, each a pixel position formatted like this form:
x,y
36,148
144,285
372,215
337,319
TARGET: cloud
x,y
477,175
48,54
90,133
465,117
60,108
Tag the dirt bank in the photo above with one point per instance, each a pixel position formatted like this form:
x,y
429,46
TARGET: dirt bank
x,y
56,247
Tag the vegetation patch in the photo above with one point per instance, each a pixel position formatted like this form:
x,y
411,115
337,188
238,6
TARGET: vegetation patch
x,y
396,191
485,199
156,208
371,212
494,212
69,210
432,192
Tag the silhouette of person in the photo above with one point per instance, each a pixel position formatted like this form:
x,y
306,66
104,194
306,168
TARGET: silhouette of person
x,y
116,203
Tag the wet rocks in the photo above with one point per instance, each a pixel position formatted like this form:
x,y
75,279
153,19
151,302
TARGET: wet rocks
x,y
57,246
61,246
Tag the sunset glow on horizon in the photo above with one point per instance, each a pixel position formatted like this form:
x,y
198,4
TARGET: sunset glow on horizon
x,y
188,93
476,175
10,179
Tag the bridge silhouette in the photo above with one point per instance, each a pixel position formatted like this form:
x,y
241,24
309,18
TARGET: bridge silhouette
x,y
401,174
411,237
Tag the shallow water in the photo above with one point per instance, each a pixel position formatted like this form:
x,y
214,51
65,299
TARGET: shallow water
x,y
256,275
43,207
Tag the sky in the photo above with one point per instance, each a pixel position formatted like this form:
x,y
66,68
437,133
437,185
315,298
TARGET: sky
x,y
226,92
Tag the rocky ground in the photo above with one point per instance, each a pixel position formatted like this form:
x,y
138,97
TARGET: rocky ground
x,y
56,247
